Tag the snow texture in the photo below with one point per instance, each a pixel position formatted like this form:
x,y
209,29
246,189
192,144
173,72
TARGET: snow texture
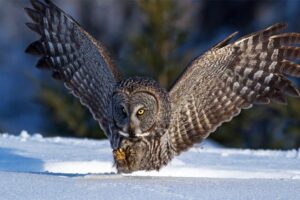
x,y
34,167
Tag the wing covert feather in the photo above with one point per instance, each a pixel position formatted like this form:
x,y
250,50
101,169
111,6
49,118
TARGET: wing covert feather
x,y
232,77
74,57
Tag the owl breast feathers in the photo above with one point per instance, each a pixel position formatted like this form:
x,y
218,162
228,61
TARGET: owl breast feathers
x,y
147,125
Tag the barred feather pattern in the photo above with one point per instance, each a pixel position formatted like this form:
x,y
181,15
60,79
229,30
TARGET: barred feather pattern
x,y
231,77
228,78
74,57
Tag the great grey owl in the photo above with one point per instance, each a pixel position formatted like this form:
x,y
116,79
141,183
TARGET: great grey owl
x,y
146,124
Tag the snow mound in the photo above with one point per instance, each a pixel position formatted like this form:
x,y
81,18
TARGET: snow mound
x,y
34,167
75,156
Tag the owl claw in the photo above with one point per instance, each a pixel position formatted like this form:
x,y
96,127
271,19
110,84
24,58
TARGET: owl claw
x,y
119,155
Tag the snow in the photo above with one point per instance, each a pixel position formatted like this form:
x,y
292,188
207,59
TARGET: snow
x,y
34,167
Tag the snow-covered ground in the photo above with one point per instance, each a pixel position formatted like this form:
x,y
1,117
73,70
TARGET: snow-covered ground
x,y
33,167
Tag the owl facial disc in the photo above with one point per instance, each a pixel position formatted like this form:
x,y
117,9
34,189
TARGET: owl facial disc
x,y
135,114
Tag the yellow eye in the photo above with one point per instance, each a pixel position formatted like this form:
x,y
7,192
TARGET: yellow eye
x,y
141,112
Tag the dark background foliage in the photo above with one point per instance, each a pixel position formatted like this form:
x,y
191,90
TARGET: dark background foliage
x,y
146,37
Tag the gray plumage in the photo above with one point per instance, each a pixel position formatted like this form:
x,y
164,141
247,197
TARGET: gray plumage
x,y
146,125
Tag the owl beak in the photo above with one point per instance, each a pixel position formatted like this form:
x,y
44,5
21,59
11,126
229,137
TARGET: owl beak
x,y
127,131
131,133
132,127
131,130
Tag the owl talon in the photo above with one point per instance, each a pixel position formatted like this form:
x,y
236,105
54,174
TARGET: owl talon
x,y
119,155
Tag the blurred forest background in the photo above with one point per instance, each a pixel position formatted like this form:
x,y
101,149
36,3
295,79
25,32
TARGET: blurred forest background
x,y
157,38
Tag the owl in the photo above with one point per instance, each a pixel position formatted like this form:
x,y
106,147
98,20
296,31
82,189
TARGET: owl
x,y
146,124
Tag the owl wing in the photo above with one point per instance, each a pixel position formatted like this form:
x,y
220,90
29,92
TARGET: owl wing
x,y
231,77
74,57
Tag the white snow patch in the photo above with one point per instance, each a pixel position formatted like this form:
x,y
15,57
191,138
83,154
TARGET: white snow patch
x,y
75,156
201,172
84,167
49,167
24,136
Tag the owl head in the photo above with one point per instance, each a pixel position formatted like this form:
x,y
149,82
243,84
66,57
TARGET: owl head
x,y
141,108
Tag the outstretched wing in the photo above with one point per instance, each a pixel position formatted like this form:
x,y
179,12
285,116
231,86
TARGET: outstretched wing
x,y
231,77
74,57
